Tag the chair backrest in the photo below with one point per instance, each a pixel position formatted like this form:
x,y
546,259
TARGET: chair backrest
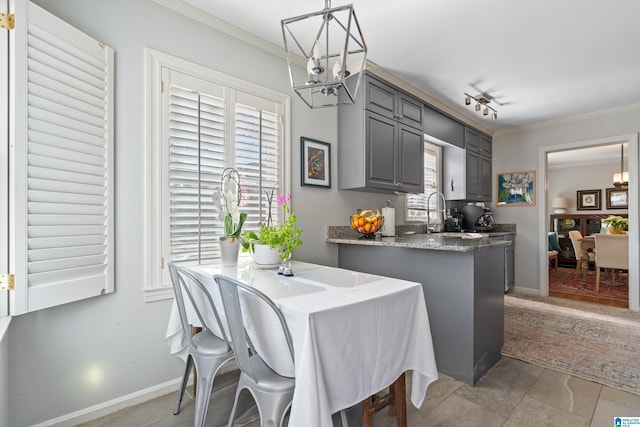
x,y
612,251
247,311
199,300
575,237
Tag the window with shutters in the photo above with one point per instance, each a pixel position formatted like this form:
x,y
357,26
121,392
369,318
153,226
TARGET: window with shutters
x,y
416,204
205,122
60,162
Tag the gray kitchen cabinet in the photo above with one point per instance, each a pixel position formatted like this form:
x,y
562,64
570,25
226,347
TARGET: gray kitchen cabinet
x,y
464,294
443,127
509,260
478,166
388,101
381,141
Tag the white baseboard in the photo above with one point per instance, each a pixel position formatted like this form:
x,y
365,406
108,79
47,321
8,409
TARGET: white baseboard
x,y
526,291
106,408
111,406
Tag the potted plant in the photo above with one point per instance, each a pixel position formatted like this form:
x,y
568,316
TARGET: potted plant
x,y
616,224
227,200
280,240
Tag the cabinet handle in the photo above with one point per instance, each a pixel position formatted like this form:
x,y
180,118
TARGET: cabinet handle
x,y
452,185
399,116
398,184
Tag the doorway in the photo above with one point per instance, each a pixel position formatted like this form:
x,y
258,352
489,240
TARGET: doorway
x,y
549,191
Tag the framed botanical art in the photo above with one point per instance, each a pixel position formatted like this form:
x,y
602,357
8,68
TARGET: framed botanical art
x,y
617,198
516,188
589,200
315,169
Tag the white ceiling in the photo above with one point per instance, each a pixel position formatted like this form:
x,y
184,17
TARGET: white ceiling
x,y
581,157
540,60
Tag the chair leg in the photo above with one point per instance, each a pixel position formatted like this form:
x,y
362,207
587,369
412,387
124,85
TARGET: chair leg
x,y
235,406
183,387
597,278
395,399
206,370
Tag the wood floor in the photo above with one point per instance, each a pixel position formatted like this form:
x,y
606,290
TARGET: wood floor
x,y
587,298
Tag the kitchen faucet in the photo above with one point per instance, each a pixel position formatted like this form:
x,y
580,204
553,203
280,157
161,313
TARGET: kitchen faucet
x,y
443,210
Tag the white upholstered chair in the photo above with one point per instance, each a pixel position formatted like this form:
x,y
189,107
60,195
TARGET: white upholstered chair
x,y
612,252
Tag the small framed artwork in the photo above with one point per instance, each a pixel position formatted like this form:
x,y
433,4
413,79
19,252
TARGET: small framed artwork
x,y
617,198
315,169
516,188
589,200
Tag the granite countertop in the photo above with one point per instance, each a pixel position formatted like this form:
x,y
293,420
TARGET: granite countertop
x,y
455,242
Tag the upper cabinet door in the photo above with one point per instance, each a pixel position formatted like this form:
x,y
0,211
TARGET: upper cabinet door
x,y
410,111
380,97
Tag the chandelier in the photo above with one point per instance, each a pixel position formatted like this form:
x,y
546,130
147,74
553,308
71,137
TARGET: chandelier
x,y
482,104
331,43
621,180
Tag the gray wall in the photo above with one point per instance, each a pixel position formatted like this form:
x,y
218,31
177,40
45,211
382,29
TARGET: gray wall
x,y
566,181
515,150
69,358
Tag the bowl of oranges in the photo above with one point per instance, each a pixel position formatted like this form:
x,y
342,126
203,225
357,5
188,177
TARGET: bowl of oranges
x,y
366,222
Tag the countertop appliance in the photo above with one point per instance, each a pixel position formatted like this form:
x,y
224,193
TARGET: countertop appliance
x,y
476,218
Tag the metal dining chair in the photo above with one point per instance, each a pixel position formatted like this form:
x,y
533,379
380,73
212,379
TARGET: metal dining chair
x,y
271,391
206,350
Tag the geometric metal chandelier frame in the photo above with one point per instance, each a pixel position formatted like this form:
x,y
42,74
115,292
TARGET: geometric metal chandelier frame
x,y
334,50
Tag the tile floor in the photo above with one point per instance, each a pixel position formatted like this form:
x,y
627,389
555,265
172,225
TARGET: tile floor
x,y
513,393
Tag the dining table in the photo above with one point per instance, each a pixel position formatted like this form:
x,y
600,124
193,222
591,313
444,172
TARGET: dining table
x,y
353,333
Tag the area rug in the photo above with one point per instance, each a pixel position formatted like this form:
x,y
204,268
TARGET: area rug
x,y
564,280
591,341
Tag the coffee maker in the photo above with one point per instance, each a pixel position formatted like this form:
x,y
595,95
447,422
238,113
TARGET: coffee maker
x,y
476,218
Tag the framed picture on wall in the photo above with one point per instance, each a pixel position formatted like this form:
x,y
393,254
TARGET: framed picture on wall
x,y
516,188
589,200
617,198
315,169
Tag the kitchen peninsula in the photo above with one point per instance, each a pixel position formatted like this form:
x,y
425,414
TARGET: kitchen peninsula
x,y
463,283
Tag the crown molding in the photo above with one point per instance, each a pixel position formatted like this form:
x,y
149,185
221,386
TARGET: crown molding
x,y
389,76
212,21
571,119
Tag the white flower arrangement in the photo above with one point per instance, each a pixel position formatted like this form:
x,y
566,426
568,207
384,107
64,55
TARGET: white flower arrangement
x,y
227,200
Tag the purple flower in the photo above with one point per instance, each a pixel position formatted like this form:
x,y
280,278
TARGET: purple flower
x,y
283,199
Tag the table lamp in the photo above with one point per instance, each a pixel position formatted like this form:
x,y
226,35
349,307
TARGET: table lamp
x,y
560,204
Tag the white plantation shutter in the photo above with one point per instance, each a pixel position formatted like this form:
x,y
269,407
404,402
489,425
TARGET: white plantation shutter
x,y
210,127
63,174
257,148
417,203
196,162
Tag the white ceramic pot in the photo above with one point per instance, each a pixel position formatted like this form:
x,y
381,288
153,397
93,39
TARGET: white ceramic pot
x,y
229,252
265,256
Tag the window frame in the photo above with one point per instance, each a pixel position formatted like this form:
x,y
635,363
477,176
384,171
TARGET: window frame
x,y
431,147
156,285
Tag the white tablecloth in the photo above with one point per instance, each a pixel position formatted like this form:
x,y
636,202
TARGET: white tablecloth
x,y
353,334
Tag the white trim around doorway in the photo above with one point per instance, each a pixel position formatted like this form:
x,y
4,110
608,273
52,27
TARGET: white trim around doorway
x,y
634,219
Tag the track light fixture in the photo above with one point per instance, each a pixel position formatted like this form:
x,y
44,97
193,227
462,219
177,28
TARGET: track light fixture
x,y
482,102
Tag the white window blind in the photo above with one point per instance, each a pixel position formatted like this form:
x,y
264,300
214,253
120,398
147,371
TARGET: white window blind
x,y
416,204
62,204
211,127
